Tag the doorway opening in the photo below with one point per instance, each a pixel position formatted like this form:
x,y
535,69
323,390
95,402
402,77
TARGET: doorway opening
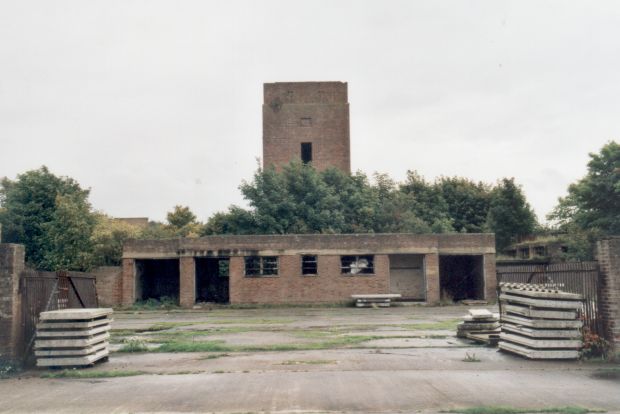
x,y
407,276
461,277
157,279
212,279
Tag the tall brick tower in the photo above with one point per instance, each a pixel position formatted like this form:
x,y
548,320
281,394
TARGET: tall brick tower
x,y
306,121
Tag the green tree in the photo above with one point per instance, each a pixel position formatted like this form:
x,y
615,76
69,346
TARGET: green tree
x,y
591,208
36,203
67,237
182,222
108,238
510,215
594,201
235,221
426,202
467,202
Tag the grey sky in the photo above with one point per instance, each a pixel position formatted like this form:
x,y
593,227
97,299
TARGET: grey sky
x,y
156,103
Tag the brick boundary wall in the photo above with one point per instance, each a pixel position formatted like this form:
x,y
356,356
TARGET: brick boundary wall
x,y
11,266
608,256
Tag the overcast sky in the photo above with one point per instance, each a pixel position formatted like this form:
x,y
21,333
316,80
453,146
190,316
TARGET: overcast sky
x,y
157,103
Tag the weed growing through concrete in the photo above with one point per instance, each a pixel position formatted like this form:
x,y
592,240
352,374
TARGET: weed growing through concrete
x,y
512,410
214,356
470,357
310,362
134,345
74,373
448,325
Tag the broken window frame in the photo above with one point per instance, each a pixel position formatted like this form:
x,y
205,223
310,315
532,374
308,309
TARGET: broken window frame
x,y
261,266
309,265
346,262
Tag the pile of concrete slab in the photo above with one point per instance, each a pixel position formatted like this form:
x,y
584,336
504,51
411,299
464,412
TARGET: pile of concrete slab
x,y
479,325
540,323
374,300
72,337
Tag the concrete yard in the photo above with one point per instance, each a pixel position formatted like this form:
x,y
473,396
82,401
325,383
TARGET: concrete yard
x,y
399,359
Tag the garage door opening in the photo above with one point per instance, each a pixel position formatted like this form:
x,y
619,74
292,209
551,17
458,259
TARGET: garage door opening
x,y
157,279
407,276
212,279
461,278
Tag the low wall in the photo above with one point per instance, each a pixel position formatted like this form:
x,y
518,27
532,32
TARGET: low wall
x,y
109,285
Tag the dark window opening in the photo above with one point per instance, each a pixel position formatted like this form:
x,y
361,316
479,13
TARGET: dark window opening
x,y
261,265
357,265
524,253
306,152
461,277
212,279
309,265
540,251
157,279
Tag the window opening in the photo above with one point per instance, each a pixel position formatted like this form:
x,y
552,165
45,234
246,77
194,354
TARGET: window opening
x,y
306,152
308,265
261,265
353,265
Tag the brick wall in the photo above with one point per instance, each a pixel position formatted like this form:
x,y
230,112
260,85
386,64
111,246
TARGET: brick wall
x,y
289,286
11,265
187,282
490,277
128,284
608,256
109,285
314,112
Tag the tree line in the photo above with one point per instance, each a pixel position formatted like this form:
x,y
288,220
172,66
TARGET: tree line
x,y
54,219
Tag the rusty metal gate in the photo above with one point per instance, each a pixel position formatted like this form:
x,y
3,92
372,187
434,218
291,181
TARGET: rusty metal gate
x,y
574,277
45,291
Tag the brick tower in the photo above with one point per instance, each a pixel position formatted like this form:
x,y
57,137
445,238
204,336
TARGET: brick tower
x,y
306,121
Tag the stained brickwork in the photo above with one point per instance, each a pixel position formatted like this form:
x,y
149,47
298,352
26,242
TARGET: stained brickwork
x,y
608,256
187,285
290,286
109,285
11,266
306,112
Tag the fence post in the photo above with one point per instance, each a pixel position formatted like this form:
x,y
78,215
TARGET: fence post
x,y
608,256
11,266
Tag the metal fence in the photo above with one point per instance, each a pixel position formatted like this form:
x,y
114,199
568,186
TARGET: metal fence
x,y
573,277
45,291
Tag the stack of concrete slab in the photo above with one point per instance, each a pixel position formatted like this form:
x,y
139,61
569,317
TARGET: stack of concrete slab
x,y
479,325
374,300
72,337
540,323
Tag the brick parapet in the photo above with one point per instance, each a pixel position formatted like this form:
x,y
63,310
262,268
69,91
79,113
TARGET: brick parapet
x,y
12,264
608,256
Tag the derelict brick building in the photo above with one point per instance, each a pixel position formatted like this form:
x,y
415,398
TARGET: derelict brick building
x,y
308,268
306,121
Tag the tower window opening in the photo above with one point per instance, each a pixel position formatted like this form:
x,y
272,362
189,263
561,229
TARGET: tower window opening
x,y
306,152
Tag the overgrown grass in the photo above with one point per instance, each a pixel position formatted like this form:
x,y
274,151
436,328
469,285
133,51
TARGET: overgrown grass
x,y
512,410
220,346
134,345
447,325
74,373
